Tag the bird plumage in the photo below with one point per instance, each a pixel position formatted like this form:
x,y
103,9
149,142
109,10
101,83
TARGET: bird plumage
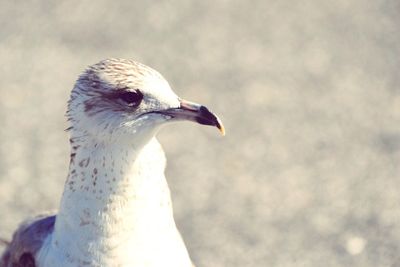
x,y
27,241
116,207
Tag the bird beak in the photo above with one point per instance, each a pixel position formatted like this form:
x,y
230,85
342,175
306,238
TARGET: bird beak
x,y
195,112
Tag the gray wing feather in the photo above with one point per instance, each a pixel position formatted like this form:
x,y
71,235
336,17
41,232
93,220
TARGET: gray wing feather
x,y
27,241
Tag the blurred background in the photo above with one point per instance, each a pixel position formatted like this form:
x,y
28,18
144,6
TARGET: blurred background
x,y
309,91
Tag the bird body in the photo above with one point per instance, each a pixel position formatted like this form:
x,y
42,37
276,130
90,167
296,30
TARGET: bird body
x,y
116,207
126,218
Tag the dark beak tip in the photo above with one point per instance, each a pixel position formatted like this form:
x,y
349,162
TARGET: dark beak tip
x,y
209,118
195,112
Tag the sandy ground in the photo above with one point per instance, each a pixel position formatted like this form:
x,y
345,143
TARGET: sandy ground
x,y
308,173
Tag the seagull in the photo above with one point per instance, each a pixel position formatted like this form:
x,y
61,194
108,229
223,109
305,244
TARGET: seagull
x,y
116,206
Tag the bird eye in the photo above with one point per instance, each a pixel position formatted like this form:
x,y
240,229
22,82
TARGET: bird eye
x,y
132,98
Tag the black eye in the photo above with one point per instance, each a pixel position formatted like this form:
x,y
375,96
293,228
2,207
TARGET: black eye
x,y
132,98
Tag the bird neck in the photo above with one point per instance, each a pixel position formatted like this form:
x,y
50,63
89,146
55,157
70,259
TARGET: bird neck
x,y
115,199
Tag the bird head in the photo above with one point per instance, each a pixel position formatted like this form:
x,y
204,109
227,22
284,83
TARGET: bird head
x,y
117,98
